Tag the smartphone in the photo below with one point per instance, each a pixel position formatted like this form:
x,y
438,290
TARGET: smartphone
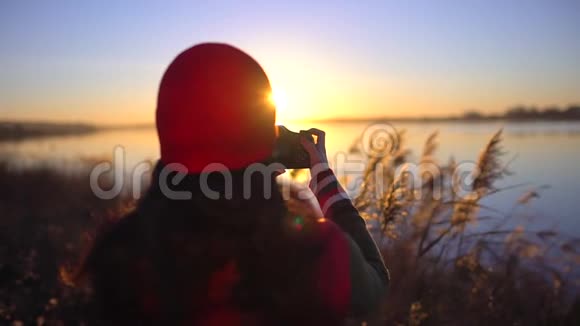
x,y
289,151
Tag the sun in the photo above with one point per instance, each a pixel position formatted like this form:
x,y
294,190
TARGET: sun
x,y
280,101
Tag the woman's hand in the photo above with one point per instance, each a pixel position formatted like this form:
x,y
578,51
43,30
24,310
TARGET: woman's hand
x,y
317,152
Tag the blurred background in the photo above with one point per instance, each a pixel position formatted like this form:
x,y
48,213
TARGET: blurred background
x,y
78,80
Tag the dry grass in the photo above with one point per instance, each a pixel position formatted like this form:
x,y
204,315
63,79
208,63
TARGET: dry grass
x,y
445,269
47,217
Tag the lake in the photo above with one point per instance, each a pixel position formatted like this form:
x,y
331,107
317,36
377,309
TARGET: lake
x,y
541,153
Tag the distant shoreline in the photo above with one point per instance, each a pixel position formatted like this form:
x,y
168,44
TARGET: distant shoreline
x,y
17,131
438,119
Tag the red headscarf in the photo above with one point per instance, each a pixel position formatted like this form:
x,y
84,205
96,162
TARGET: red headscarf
x,y
214,107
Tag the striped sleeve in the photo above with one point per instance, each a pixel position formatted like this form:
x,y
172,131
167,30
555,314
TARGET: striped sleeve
x,y
369,277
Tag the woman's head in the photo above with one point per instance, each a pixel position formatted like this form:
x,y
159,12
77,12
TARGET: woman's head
x,y
213,110
214,120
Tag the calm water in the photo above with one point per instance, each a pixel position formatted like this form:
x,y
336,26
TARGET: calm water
x,y
542,153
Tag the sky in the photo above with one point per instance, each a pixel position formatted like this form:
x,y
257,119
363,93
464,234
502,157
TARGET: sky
x,y
101,61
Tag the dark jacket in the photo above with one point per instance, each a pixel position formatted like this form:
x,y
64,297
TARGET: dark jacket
x,y
151,267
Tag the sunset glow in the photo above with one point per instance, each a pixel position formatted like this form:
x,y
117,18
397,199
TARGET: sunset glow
x,y
324,60
280,101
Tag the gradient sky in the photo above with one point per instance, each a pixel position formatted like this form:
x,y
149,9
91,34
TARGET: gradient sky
x,y
101,62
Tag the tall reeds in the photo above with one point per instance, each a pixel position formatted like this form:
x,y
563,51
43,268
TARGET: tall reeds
x,y
446,267
453,260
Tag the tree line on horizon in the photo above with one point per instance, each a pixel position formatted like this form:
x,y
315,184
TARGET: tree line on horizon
x,y
15,130
522,112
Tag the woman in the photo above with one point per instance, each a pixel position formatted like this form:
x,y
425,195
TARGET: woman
x,y
212,242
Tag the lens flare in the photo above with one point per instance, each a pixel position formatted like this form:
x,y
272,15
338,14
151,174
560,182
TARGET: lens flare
x,y
280,101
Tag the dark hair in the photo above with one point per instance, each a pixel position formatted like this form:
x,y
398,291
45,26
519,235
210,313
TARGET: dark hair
x,y
156,265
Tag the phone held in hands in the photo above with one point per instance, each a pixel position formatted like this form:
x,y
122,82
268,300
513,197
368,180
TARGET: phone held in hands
x,y
288,149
